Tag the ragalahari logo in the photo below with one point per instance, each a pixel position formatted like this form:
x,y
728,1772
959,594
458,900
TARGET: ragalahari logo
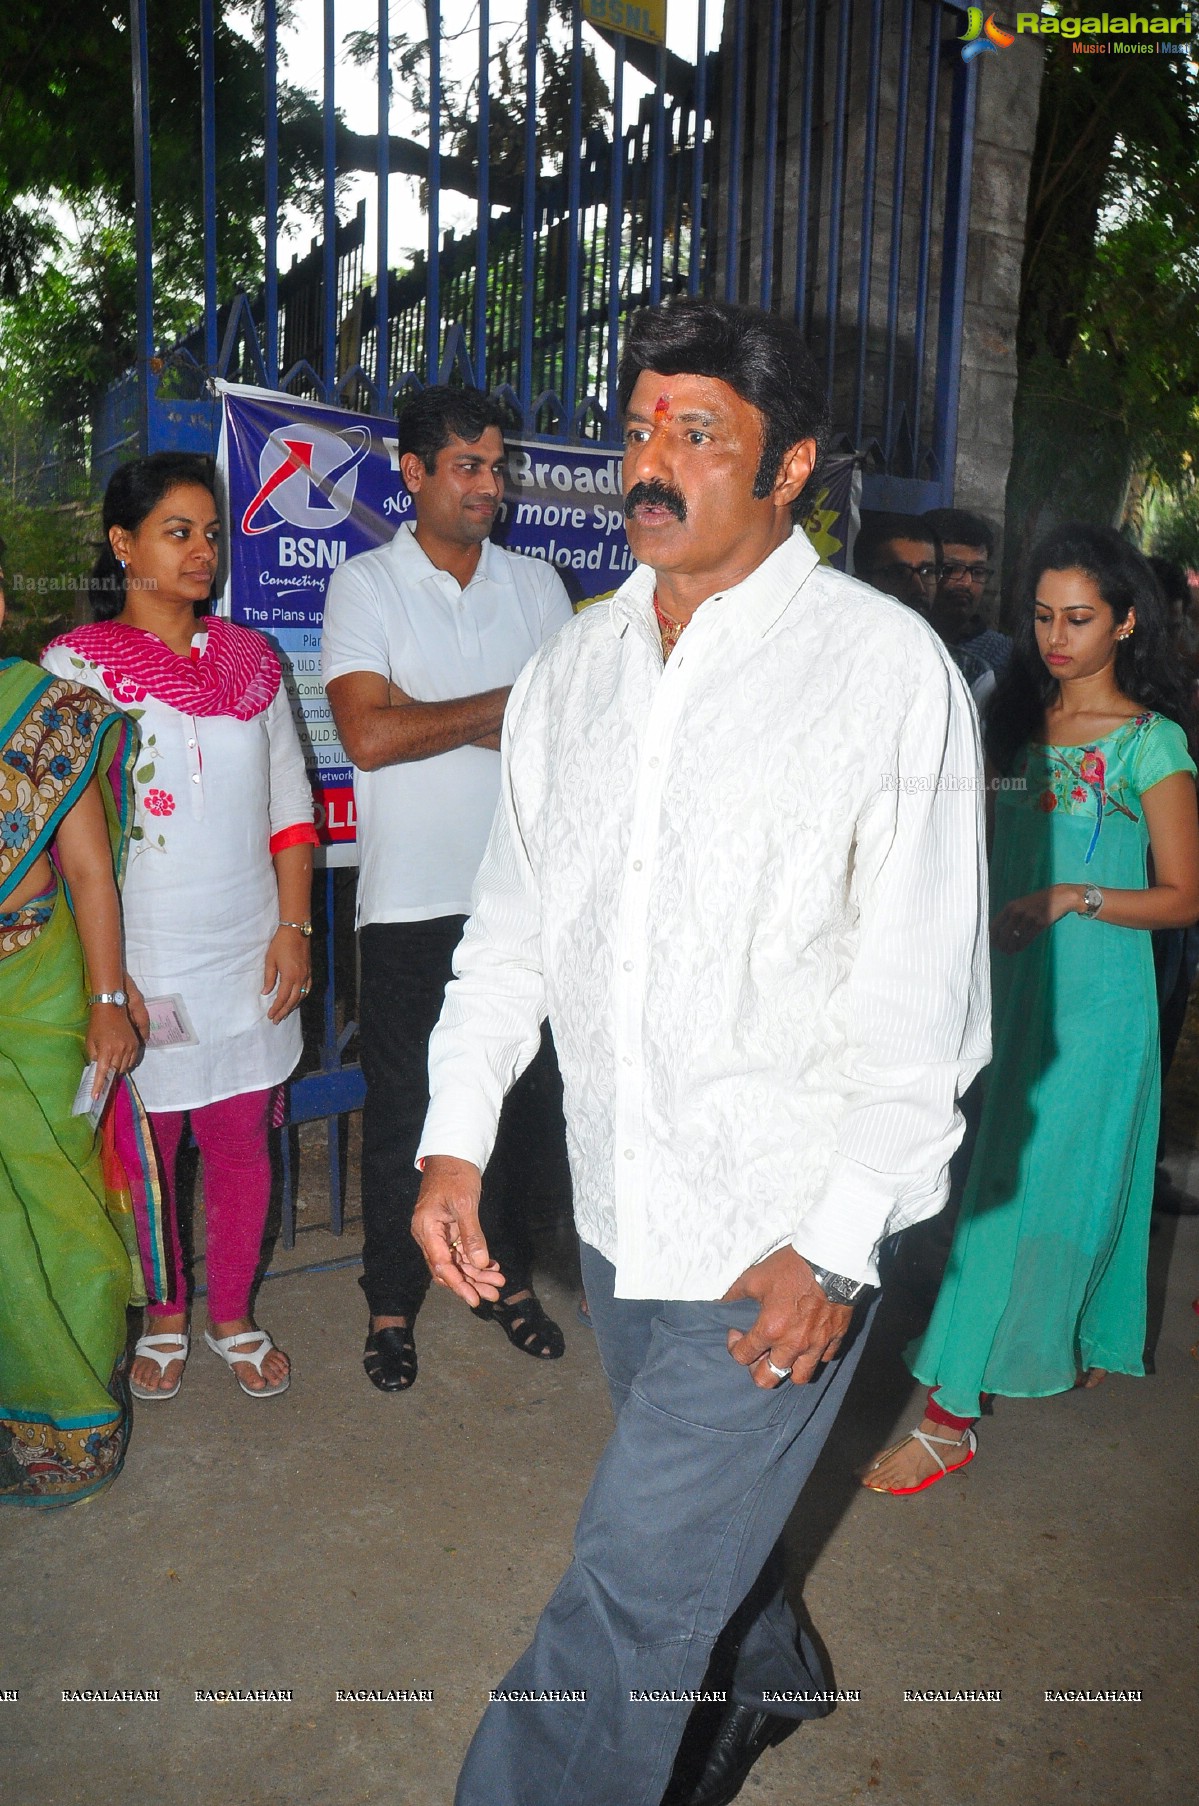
x,y
307,477
982,34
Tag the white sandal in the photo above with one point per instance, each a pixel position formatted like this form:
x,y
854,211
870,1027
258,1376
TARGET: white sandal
x,y
168,1347
967,1441
230,1349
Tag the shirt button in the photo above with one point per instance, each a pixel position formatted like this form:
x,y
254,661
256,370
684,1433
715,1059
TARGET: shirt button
x,y
636,865
654,763
630,1154
195,777
628,1059
628,965
191,743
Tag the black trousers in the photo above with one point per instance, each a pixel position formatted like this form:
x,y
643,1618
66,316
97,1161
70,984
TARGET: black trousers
x,y
405,969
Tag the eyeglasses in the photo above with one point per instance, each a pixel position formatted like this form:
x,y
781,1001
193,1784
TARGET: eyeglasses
x,y
924,574
952,571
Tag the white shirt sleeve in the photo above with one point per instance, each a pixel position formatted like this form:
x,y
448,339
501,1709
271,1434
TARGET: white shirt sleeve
x,y
353,637
291,794
919,990
490,1024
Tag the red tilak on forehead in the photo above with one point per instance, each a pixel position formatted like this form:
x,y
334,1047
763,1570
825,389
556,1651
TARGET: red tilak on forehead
x,y
662,406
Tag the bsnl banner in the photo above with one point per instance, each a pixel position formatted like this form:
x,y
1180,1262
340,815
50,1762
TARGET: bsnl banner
x,y
308,486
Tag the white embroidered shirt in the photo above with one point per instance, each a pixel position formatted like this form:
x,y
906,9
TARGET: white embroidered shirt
x,y
748,887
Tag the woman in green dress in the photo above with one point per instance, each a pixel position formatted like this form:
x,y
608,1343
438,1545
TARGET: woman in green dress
x,y
1091,779
65,1270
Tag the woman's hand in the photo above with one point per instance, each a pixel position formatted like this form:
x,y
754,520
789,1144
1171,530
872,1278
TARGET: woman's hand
x,y
111,1042
1020,922
288,965
139,1015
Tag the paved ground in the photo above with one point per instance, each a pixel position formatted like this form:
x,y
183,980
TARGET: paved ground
x,y
336,1538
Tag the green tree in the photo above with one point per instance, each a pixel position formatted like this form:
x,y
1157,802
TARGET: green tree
x,y
1108,356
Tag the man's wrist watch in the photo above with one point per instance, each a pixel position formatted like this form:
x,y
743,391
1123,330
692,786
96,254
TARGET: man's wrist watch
x,y
837,1288
1092,901
120,998
305,928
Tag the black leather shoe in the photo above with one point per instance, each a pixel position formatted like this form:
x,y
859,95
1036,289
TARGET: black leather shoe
x,y
389,1358
745,1732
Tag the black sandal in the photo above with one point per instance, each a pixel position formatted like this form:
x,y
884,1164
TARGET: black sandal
x,y
526,1326
389,1358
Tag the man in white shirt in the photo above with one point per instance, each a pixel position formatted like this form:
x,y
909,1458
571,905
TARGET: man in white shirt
x,y
738,861
422,640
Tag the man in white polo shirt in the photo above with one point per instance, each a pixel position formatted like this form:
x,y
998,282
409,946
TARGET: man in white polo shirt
x,y
423,639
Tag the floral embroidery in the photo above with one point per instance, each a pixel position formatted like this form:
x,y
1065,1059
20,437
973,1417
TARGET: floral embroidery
x,y
1077,781
159,802
123,689
14,827
17,760
52,718
60,766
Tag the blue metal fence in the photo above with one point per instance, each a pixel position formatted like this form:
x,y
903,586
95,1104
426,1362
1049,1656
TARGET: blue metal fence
x,y
816,158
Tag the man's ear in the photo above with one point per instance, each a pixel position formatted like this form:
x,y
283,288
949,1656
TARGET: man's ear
x,y
798,463
412,469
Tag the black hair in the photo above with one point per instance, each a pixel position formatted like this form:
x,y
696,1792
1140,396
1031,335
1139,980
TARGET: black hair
x,y
762,357
438,414
955,527
878,527
135,490
1171,576
1145,669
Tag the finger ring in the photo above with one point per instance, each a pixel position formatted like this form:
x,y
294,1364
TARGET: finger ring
x,y
457,1242
304,990
780,1373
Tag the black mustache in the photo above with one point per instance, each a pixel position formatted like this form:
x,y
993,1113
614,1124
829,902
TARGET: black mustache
x,y
655,495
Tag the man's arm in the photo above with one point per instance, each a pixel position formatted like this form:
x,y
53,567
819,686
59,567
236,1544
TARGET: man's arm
x,y
378,725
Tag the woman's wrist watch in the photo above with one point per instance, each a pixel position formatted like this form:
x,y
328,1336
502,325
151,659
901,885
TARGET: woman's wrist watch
x,y
305,928
120,998
1092,901
837,1288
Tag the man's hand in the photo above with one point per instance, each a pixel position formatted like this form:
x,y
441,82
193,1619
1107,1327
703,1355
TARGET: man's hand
x,y
796,1327
446,1226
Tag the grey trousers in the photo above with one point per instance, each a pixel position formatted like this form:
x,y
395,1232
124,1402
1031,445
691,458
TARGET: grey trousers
x,y
681,1528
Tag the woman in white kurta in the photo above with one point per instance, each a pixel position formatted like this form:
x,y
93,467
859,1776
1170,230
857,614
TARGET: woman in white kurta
x,y
216,895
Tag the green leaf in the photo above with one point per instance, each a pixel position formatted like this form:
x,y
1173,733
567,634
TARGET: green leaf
x,y
144,773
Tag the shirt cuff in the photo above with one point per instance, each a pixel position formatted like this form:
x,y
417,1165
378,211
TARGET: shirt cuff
x,y
451,1129
302,833
859,1208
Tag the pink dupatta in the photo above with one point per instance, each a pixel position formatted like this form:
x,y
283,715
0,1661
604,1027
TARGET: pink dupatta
x,y
237,673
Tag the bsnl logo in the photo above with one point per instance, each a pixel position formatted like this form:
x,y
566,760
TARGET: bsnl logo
x,y
307,477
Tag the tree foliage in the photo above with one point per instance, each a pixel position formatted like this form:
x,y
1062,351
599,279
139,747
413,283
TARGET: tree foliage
x,y
1107,348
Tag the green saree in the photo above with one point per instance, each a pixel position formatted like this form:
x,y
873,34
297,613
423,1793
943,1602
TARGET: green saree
x,y
65,1272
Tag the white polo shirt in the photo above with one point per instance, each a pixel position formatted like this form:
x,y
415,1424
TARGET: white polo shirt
x,y
423,824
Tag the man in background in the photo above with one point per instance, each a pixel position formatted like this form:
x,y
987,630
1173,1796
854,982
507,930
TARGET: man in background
x,y
959,611
900,554
423,638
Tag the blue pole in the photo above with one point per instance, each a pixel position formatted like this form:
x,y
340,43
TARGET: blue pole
x,y
382,174
897,196
433,279
866,251
926,219
528,243
837,191
270,290
329,263
574,157
208,169
770,152
143,224
615,245
803,222
483,228
952,309
657,192
732,249
697,155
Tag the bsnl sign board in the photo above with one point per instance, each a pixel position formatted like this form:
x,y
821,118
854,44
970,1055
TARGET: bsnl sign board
x,y
307,486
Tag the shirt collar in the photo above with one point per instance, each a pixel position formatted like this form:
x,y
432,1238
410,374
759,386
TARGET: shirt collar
x,y
753,607
408,550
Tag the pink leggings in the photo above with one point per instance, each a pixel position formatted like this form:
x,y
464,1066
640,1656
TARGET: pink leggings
x,y
232,1138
